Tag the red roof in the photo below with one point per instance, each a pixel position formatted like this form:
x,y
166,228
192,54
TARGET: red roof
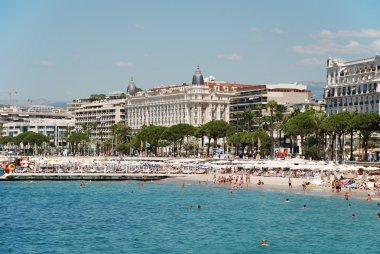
x,y
222,85
213,84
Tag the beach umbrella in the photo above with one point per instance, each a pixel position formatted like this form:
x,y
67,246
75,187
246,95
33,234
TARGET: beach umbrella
x,y
371,168
351,167
328,167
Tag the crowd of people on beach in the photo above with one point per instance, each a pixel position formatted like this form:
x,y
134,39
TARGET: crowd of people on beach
x,y
230,173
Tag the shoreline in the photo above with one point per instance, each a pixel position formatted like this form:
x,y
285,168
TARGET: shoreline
x,y
277,184
271,183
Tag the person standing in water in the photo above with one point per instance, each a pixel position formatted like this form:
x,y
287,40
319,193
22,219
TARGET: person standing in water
x,y
290,183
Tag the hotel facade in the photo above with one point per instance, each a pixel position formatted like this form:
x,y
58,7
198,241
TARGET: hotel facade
x,y
256,97
196,103
353,86
50,121
97,117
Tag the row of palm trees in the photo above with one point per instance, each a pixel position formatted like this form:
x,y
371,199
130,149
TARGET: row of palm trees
x,y
319,135
92,134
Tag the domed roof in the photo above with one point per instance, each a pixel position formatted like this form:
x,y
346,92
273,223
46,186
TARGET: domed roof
x,y
131,90
198,77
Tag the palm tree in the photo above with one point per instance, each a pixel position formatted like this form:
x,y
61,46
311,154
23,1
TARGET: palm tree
x,y
248,119
272,105
280,114
258,112
351,129
239,117
66,134
318,117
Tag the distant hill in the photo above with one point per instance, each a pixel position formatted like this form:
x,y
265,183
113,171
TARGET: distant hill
x,y
58,104
315,87
27,103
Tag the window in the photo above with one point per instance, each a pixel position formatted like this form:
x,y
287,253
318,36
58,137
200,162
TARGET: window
x,y
216,88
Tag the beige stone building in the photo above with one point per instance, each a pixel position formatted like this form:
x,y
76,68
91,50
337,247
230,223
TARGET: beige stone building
x,y
196,103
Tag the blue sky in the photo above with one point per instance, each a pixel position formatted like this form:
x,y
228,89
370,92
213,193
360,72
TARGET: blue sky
x,y
60,50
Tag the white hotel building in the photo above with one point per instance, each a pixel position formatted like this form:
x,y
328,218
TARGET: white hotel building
x,y
99,116
195,104
50,121
353,86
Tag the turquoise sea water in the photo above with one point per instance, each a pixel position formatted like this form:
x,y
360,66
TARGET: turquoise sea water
x,y
123,217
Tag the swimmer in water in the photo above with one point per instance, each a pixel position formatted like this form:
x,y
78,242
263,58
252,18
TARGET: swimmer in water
x,y
304,206
264,242
199,207
378,216
287,200
353,216
369,198
190,206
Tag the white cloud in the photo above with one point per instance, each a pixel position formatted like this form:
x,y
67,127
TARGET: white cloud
x,y
354,47
323,34
342,42
329,46
363,33
46,63
277,31
232,57
375,46
309,49
139,26
312,61
123,64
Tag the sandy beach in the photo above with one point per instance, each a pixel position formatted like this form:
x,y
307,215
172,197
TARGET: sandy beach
x,y
279,184
271,183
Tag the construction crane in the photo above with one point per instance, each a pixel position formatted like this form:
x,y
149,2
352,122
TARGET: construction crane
x,y
31,102
10,97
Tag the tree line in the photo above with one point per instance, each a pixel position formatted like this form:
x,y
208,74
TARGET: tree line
x,y
320,136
